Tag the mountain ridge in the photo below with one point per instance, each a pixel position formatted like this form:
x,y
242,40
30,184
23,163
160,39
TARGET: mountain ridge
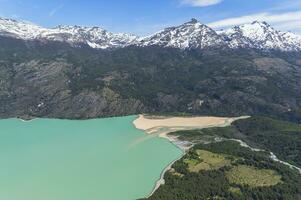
x,y
190,35
53,79
261,35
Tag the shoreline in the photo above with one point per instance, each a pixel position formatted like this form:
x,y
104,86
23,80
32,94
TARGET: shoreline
x,y
25,120
161,181
162,126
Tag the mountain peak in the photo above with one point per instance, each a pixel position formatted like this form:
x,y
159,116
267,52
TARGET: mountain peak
x,y
61,26
253,25
77,27
190,35
193,21
19,28
260,23
260,35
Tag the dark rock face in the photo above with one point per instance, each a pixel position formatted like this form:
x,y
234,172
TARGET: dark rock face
x,y
55,80
41,89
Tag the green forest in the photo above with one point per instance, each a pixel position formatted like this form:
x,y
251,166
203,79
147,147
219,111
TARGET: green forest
x,y
277,136
226,170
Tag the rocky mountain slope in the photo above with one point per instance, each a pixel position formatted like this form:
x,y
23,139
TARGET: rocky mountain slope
x,y
190,35
186,69
57,80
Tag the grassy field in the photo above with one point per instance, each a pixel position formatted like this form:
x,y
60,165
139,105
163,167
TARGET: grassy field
x,y
252,177
237,175
207,161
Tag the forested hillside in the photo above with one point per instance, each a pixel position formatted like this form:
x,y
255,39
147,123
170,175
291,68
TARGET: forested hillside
x,y
53,79
225,170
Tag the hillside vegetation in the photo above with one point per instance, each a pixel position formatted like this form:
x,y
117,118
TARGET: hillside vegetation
x,y
280,137
52,79
246,175
225,170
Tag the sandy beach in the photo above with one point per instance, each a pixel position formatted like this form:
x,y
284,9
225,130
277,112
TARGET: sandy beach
x,y
164,125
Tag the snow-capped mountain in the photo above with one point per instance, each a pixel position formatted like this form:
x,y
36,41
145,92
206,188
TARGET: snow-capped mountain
x,y
260,35
19,29
190,35
95,37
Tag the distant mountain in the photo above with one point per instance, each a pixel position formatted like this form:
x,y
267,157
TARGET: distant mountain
x,y
19,29
95,37
260,35
190,35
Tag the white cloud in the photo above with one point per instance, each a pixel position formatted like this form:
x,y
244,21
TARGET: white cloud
x,y
294,26
287,20
288,4
55,10
200,3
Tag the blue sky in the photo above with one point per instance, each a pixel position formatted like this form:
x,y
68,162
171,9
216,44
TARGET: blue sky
x,y
143,17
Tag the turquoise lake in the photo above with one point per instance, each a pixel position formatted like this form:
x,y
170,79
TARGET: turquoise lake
x,y
99,159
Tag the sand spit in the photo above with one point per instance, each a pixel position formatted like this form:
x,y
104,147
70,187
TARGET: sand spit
x,y
161,126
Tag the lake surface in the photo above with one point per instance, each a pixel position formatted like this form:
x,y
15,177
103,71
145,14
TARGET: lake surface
x,y
51,159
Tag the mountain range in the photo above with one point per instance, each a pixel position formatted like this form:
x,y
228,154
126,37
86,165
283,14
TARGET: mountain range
x,y
78,72
190,35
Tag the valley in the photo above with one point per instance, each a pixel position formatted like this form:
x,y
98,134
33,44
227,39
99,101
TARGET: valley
x,y
222,112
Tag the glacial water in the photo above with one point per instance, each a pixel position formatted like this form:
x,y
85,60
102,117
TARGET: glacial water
x,y
99,159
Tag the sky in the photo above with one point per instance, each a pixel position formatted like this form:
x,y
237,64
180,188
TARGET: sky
x,y
144,17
